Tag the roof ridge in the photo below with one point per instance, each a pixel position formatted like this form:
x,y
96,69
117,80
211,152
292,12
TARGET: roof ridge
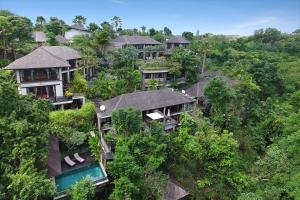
x,y
59,58
118,101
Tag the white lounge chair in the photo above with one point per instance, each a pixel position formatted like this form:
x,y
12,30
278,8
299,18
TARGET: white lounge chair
x,y
78,158
70,162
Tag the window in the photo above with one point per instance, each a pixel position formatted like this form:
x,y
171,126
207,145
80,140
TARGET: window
x,y
147,76
159,75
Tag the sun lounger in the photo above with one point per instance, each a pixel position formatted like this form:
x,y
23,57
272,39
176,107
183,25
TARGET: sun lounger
x,y
70,162
78,158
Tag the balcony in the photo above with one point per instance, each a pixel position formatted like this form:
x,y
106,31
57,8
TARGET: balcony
x,y
38,75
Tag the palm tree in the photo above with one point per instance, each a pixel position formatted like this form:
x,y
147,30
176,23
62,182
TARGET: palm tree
x,y
204,48
143,28
39,23
79,20
40,20
117,22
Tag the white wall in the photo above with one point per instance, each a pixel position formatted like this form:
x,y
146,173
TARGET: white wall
x,y
72,32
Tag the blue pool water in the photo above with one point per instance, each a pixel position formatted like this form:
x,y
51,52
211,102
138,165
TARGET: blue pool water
x,y
67,179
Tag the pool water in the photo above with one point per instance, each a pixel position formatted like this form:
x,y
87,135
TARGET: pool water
x,y
67,179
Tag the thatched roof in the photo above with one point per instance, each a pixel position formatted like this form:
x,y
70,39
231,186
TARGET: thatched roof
x,y
77,26
197,89
143,100
174,191
135,40
64,52
46,57
178,40
39,36
61,39
54,157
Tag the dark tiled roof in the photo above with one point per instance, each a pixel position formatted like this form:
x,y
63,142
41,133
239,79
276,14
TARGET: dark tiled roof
x,y
174,191
54,157
61,39
178,40
39,36
126,39
144,100
197,89
63,52
46,57
78,27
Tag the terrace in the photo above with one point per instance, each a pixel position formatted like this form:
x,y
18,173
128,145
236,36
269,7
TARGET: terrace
x,y
66,173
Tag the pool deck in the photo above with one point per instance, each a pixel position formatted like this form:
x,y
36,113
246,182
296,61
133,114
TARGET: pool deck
x,y
86,156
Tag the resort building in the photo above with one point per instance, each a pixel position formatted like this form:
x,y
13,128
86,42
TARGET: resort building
x,y
177,41
61,40
148,47
159,75
40,38
76,29
197,90
46,73
164,105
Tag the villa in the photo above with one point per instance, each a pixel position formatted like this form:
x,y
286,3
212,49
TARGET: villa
x,y
46,73
74,30
160,75
148,47
40,38
164,105
197,89
177,41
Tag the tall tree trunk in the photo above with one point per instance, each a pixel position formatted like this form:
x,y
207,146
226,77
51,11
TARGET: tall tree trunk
x,y
4,49
203,63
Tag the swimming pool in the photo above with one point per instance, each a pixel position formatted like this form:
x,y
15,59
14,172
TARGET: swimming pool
x,y
67,179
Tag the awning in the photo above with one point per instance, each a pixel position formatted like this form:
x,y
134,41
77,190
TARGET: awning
x,y
155,115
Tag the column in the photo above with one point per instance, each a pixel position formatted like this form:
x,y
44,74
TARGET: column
x,y
68,74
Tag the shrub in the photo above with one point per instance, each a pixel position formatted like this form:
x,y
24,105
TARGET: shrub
x,y
81,119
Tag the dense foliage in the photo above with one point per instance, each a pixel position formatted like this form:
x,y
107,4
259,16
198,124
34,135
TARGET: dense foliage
x,y
24,130
245,147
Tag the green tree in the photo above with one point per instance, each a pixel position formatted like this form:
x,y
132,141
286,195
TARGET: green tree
x,y
152,84
56,26
143,29
39,23
152,32
92,27
167,31
51,40
124,189
79,84
123,58
94,146
79,19
28,184
24,130
188,35
117,23
84,189
158,36
205,161
99,40
267,77
219,94
189,63
127,121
